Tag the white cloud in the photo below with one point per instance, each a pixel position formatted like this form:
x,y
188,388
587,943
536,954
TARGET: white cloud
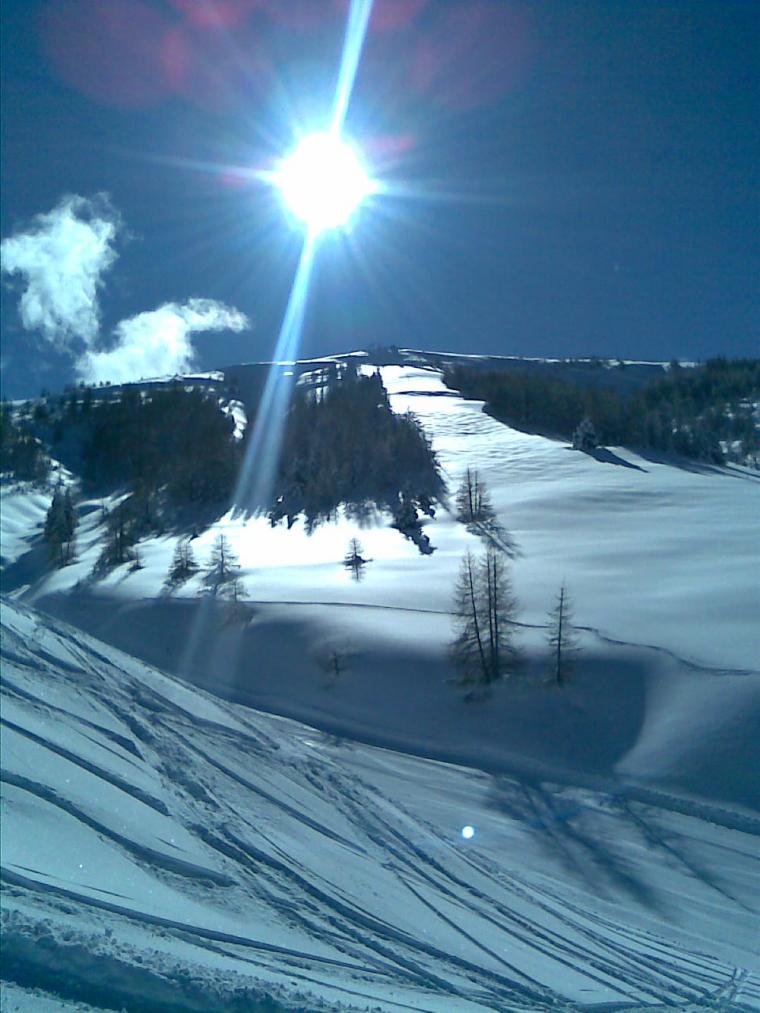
x,y
62,257
158,342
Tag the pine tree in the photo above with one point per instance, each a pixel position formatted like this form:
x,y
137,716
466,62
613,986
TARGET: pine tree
x,y
484,611
561,637
584,437
60,526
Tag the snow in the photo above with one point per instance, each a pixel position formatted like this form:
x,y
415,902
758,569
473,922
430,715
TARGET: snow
x,y
236,410
23,510
653,553
17,999
179,837
322,874
660,562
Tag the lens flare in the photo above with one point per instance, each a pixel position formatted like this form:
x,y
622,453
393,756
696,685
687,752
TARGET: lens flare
x,y
323,181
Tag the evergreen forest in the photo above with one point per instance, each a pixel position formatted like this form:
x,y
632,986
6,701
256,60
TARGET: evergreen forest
x,y
344,445
707,412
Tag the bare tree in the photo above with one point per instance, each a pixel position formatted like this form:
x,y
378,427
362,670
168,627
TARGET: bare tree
x,y
474,508
561,637
501,606
473,501
468,648
183,565
333,661
484,613
223,568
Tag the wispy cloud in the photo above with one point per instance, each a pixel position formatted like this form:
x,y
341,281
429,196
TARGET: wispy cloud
x,y
61,258
158,342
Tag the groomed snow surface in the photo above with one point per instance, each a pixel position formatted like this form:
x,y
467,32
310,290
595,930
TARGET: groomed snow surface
x,y
208,855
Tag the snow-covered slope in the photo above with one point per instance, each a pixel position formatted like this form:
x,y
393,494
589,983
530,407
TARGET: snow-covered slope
x,y
165,850
661,561
662,553
656,553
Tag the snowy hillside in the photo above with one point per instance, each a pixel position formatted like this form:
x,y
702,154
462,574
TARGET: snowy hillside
x,y
194,845
661,562
663,554
163,850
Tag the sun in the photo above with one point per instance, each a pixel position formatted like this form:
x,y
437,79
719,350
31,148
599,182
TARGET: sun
x,y
323,182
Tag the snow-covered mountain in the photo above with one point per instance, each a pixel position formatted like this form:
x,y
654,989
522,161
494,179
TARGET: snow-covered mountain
x,y
210,855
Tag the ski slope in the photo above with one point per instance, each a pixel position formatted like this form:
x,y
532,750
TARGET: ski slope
x,y
662,553
308,854
163,849
659,552
661,560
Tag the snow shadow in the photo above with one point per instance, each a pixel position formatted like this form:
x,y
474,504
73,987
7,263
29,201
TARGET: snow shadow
x,y
606,456
28,568
693,466
570,833
367,674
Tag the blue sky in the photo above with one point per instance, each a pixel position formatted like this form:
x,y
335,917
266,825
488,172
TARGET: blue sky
x,y
581,176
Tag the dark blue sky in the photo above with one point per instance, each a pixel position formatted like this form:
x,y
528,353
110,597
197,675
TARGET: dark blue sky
x,y
586,172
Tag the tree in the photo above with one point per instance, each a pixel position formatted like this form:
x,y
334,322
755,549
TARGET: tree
x,y
223,568
484,612
333,663
183,564
60,525
122,535
584,437
561,637
21,453
354,560
473,501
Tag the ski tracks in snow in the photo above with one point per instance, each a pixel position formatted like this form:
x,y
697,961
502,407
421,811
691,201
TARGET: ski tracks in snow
x,y
243,857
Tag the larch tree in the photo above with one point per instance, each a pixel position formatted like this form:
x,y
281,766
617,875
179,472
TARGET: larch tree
x,y
183,564
561,637
354,560
501,607
223,572
473,501
484,612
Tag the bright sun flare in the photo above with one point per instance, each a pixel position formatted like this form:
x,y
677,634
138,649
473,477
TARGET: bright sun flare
x,y
323,181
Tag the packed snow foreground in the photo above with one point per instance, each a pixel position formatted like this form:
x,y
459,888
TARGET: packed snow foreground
x,y
165,848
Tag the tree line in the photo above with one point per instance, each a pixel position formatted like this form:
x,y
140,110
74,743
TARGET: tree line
x,y
22,454
344,445
707,412
177,441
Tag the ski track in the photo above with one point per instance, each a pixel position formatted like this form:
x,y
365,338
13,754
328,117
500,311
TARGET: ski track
x,y
287,833
498,916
